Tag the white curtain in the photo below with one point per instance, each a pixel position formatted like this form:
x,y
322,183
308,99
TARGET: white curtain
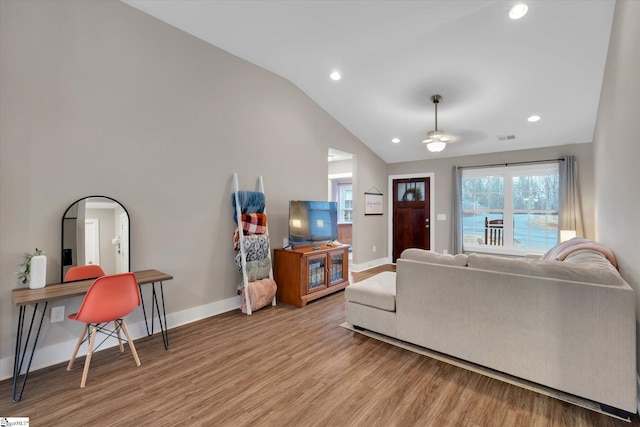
x,y
456,211
570,213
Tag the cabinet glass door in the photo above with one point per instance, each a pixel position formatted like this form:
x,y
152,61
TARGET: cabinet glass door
x,y
316,273
335,267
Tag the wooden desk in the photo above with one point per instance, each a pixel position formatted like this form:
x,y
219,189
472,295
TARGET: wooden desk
x,y
26,296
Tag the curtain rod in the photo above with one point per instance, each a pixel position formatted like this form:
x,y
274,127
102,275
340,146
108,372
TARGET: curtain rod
x,y
512,163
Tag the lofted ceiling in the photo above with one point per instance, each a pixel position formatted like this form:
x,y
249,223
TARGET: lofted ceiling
x,y
492,72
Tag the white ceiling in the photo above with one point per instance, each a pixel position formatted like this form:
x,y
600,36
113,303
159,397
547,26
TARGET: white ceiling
x,y
492,72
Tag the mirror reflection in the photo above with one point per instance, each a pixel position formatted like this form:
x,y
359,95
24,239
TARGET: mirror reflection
x,y
95,232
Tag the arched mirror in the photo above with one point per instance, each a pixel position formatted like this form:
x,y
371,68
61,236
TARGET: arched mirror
x,y
95,232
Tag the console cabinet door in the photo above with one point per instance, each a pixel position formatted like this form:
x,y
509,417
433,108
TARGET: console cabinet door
x,y
315,277
338,267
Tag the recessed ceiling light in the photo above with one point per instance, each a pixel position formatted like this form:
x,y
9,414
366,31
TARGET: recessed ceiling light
x,y
335,75
518,11
395,140
534,118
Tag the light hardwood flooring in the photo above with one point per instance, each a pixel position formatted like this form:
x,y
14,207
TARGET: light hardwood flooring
x,y
361,275
282,366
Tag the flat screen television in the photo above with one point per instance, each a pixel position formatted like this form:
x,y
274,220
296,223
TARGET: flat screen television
x,y
312,222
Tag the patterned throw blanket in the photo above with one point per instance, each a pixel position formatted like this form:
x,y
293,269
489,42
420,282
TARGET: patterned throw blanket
x,y
255,223
562,250
256,246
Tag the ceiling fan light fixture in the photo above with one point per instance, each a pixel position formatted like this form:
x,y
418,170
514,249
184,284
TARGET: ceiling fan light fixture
x,y
436,146
436,140
518,11
436,135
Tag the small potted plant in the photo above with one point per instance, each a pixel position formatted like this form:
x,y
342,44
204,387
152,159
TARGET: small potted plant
x,y
24,268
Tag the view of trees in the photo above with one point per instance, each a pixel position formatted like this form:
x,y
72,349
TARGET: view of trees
x,y
486,194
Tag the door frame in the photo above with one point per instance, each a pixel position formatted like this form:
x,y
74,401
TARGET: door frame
x,y
432,230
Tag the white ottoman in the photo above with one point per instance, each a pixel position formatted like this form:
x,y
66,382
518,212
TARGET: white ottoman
x,y
371,303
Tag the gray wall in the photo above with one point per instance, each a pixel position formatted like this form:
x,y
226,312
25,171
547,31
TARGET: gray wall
x,y
99,98
442,168
617,146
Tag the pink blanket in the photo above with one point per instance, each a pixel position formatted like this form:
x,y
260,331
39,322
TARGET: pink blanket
x,y
261,293
564,249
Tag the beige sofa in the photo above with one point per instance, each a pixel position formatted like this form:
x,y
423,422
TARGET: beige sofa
x,y
567,325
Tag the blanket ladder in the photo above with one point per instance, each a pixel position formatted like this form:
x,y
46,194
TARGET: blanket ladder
x,y
243,255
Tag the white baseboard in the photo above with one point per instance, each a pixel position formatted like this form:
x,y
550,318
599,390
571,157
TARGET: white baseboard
x,y
61,352
369,264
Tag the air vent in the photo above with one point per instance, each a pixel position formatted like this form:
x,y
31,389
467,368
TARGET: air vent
x,y
506,137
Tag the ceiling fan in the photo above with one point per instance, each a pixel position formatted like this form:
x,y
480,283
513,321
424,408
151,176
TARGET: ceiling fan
x,y
436,140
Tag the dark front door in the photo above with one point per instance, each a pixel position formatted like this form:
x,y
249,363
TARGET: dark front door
x,y
411,219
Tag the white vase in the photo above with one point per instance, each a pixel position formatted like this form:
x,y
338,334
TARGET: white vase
x,y
38,267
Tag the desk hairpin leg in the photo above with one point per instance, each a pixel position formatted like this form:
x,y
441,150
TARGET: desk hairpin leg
x,y
21,352
144,311
163,327
161,317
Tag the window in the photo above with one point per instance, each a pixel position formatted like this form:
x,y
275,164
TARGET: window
x,y
525,197
345,203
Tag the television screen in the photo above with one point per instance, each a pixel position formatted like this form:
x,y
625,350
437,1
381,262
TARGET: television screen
x,y
312,221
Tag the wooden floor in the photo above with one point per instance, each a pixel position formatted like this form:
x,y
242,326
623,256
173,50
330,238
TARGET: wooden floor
x,y
282,366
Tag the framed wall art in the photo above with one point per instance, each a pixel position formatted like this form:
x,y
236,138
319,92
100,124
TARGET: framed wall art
x,y
373,204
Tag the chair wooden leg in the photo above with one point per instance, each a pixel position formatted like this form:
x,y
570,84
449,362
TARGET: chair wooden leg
x,y
87,361
75,352
117,324
130,341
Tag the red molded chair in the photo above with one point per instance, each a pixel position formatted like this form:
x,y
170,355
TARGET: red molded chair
x,y
82,272
109,299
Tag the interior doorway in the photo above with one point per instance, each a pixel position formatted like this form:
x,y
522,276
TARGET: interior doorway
x,y
411,210
341,190
92,241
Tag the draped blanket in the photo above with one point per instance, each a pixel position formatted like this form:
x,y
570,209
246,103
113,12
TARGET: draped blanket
x,y
250,202
258,269
256,246
562,250
255,223
261,293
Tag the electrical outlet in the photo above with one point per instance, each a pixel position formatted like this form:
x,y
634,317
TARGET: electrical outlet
x,y
57,314
374,248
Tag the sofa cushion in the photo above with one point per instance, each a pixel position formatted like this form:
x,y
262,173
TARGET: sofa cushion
x,y
578,272
422,255
377,291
